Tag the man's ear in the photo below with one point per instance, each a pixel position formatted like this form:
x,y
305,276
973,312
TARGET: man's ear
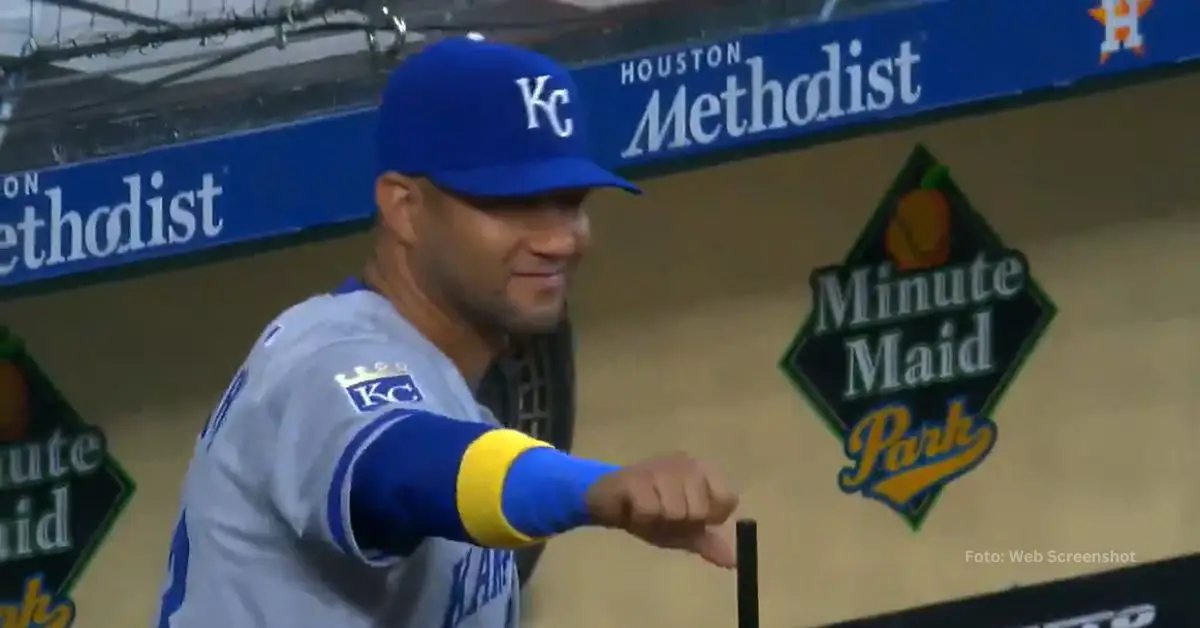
x,y
398,199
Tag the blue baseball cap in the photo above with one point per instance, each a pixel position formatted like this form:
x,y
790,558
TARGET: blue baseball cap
x,y
489,120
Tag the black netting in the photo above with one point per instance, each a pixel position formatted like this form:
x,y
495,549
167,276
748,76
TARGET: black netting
x,y
532,386
165,115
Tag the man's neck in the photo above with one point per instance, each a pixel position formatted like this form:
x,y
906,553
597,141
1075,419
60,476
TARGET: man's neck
x,y
470,349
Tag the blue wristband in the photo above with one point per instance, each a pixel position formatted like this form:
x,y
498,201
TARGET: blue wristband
x,y
545,491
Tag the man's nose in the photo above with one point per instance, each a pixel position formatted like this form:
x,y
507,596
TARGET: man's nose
x,y
563,235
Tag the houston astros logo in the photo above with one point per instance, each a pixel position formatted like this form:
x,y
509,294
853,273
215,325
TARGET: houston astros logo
x,y
1122,21
912,340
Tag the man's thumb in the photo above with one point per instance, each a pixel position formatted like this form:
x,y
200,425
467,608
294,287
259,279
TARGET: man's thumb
x,y
713,547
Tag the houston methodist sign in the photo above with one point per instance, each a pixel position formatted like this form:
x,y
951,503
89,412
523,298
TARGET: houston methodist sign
x,y
645,111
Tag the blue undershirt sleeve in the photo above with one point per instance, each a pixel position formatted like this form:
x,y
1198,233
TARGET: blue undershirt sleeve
x,y
424,475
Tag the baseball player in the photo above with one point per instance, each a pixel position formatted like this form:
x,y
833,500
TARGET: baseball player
x,y
348,478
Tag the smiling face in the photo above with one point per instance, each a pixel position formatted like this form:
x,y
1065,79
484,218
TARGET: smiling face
x,y
500,263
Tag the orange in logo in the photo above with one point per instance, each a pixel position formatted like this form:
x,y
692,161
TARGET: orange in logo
x,y
14,403
918,234
1120,19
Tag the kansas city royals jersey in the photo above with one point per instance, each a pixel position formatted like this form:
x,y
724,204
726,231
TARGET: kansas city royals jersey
x,y
263,538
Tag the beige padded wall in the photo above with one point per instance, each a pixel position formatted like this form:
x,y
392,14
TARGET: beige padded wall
x,y
686,306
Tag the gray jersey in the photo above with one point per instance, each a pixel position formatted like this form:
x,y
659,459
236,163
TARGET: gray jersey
x,y
263,539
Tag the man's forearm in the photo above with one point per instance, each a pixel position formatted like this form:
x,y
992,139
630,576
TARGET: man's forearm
x,y
431,476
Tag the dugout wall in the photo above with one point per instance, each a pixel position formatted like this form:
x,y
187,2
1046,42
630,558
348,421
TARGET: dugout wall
x,y
684,311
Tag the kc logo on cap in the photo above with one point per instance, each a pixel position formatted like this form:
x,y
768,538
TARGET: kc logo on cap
x,y
539,104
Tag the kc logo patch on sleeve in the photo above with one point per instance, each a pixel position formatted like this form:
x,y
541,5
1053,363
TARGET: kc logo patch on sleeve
x,y
371,388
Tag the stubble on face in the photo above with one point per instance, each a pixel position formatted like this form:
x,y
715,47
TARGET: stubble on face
x,y
509,267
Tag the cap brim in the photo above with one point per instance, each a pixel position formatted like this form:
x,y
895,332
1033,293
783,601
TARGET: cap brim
x,y
532,178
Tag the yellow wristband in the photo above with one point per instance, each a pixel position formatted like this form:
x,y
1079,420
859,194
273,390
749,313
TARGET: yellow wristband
x,y
480,489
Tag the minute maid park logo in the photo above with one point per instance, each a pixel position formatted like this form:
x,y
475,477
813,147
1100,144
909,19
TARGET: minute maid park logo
x,y
61,491
914,338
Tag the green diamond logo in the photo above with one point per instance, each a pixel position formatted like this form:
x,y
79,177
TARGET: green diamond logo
x,y
913,339
60,491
